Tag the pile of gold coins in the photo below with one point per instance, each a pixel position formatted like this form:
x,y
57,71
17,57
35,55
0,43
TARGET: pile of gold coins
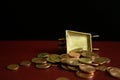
x,y
83,63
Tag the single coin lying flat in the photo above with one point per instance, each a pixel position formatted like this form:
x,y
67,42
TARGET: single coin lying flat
x,y
25,63
13,67
62,78
114,71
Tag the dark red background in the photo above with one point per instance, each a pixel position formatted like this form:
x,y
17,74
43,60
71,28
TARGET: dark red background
x,y
16,51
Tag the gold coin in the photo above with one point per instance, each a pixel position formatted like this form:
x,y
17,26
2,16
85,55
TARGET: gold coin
x,y
87,68
73,68
78,50
85,60
39,60
53,58
64,55
84,75
62,78
102,60
64,60
101,68
25,63
43,66
89,54
94,64
43,55
74,54
114,71
13,67
70,61
64,67
73,62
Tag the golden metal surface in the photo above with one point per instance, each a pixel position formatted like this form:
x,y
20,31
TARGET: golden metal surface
x,y
62,78
96,49
25,63
75,40
13,67
94,36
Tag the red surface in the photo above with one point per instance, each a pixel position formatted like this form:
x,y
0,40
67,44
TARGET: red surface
x,y
16,51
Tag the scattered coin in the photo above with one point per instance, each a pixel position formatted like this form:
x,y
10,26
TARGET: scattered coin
x,y
64,60
87,68
63,55
102,60
73,62
89,54
101,68
64,67
73,68
85,60
84,75
25,63
78,50
70,61
13,67
62,78
114,71
53,58
42,55
39,60
74,54
43,66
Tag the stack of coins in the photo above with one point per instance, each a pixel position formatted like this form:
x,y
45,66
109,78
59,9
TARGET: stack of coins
x,y
86,71
84,75
41,61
